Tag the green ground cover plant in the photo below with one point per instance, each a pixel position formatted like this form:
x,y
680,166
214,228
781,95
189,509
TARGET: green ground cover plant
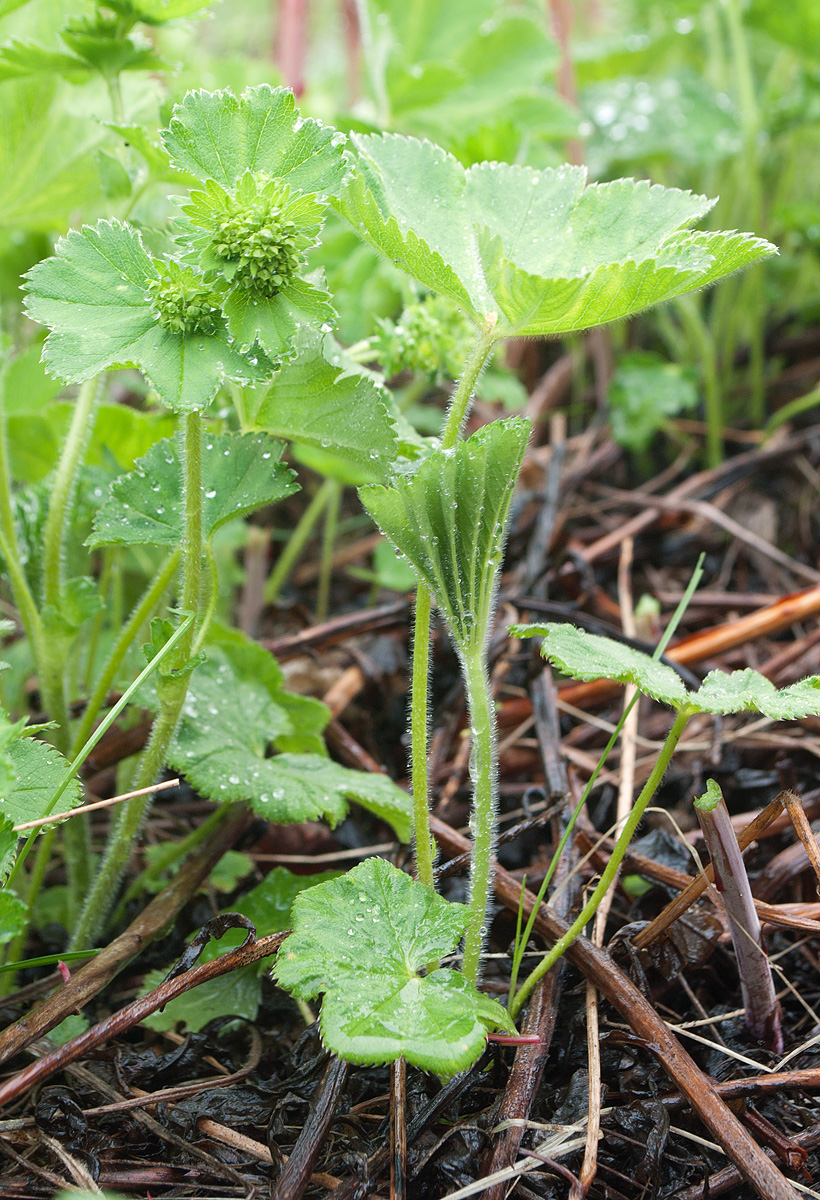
x,y
212,268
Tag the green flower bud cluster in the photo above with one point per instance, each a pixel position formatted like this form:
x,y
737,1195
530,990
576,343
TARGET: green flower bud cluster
x,y
261,245
181,300
432,337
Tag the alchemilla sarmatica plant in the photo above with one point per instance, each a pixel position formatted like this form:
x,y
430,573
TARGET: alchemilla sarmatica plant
x,y
231,308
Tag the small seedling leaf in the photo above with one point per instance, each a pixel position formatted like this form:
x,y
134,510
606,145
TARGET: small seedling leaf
x,y
214,135
363,941
222,746
315,402
539,250
93,294
449,520
241,473
748,690
587,656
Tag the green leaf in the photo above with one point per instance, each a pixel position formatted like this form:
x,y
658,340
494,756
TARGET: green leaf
x,y
268,906
234,994
744,691
47,171
364,940
535,251
157,12
8,847
222,746
22,60
586,656
427,29
645,392
95,295
449,519
311,400
274,320
13,917
215,136
677,117
40,770
241,473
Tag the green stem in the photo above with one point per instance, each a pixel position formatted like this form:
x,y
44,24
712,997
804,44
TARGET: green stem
x,y
151,597
704,347
297,541
425,847
172,691
420,679
328,542
484,770
613,865
463,395
213,599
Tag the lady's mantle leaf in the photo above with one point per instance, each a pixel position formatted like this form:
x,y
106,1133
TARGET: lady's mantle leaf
x,y
240,472
449,519
363,940
586,656
744,691
40,770
215,136
538,249
314,402
222,746
98,296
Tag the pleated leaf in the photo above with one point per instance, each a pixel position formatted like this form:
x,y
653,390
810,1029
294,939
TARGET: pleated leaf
x,y
449,520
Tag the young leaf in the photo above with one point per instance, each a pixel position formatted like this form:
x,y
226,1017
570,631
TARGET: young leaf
x,y
109,304
241,473
537,251
313,401
222,746
586,656
449,519
364,940
744,691
8,844
215,136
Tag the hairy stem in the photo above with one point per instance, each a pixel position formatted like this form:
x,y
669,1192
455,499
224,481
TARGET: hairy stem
x,y
484,771
615,859
172,690
420,678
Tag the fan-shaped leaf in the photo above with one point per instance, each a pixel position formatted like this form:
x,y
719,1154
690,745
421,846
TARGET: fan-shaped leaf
x,y
240,472
363,940
313,401
93,293
586,656
537,249
222,745
744,691
215,136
